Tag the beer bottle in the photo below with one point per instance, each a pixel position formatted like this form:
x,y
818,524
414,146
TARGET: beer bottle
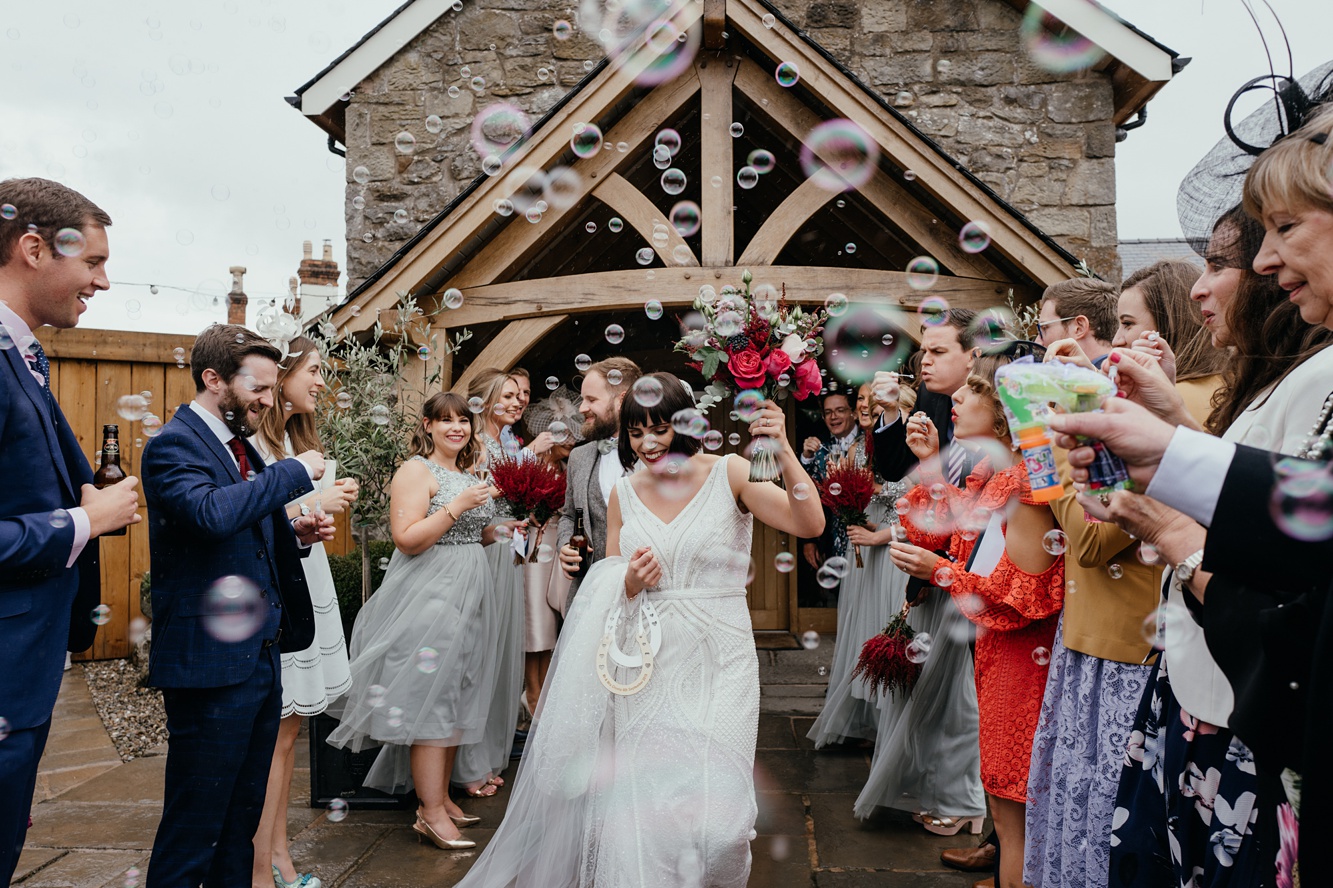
x,y
579,540
110,471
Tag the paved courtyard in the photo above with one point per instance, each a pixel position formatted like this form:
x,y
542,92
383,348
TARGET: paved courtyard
x,y
96,816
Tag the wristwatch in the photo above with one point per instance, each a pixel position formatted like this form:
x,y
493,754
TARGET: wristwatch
x,y
305,510
1185,569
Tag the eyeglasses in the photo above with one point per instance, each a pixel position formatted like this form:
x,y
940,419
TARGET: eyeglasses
x,y
837,411
1041,327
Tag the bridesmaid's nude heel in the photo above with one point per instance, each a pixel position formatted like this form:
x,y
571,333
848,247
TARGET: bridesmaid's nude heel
x,y
426,833
951,826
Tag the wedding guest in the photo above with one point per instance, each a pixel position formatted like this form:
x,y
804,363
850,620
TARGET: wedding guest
x,y
868,597
479,764
1013,591
1158,299
844,433
314,677
423,647
594,467
220,544
545,587
53,581
1081,309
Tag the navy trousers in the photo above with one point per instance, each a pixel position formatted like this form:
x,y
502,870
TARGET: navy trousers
x,y
19,754
218,757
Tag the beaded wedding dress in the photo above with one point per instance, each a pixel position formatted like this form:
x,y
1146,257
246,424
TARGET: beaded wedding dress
x,y
654,789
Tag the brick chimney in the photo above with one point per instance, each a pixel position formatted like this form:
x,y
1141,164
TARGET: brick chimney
x,y
318,272
293,301
236,299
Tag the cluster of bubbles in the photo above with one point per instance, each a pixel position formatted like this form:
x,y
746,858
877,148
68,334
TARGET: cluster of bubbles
x,y
832,571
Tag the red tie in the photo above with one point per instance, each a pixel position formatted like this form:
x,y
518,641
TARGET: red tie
x,y
242,462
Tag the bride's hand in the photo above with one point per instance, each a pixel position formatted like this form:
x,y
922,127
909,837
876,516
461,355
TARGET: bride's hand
x,y
644,571
771,422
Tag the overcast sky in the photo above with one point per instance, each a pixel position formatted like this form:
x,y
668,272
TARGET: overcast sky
x,y
171,116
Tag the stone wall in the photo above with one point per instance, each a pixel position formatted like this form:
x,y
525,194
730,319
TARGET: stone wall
x,y
1044,142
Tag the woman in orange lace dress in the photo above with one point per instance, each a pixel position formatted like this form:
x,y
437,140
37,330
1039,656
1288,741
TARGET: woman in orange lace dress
x,y
1001,578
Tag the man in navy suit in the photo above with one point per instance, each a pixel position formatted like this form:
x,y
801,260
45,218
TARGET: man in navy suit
x,y
53,253
229,594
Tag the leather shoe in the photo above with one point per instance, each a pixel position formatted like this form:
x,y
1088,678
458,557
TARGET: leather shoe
x,y
977,859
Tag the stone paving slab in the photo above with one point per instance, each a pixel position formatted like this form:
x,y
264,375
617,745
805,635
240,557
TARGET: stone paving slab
x,y
102,823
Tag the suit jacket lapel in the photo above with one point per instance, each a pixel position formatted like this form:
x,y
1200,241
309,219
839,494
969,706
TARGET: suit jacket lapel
x,y
211,442
42,402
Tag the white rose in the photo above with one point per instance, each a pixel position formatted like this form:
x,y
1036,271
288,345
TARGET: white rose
x,y
794,346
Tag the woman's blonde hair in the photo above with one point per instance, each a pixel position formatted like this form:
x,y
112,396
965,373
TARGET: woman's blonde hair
x,y
1294,172
488,385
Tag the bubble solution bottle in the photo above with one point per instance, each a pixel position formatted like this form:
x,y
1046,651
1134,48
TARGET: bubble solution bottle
x,y
1039,459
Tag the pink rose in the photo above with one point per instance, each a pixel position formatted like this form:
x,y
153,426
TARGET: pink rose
x,y
777,363
808,380
747,368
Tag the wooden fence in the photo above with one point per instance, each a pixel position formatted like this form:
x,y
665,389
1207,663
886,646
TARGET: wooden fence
x,y
90,371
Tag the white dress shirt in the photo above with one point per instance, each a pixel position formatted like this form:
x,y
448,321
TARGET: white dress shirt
x,y
21,335
609,471
1190,475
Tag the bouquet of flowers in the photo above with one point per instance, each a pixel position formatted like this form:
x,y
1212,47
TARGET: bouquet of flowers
x,y
534,490
846,492
891,661
754,342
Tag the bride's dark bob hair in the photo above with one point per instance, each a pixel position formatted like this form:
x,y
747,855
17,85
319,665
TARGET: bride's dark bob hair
x,y
674,398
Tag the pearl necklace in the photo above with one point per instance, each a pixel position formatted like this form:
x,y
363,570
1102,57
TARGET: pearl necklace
x,y
1318,442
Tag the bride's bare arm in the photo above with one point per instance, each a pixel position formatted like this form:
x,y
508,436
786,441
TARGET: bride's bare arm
x,y
613,523
795,510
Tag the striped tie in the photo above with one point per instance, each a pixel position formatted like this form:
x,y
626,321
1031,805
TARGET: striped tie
x,y
954,464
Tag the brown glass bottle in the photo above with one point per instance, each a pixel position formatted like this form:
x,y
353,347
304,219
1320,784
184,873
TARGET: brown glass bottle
x,y
110,471
579,540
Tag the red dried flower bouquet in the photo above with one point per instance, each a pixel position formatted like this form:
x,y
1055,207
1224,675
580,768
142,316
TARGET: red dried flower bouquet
x,y
846,492
534,490
890,661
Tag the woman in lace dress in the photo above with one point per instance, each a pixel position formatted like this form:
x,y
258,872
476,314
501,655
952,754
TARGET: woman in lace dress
x,y
1008,585
643,774
869,596
423,658
317,675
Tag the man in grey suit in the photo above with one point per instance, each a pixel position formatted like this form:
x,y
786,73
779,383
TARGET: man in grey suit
x,y
594,466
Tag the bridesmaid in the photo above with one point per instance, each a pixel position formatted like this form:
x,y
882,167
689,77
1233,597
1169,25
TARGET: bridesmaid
x,y
314,677
870,596
479,764
423,658
1015,604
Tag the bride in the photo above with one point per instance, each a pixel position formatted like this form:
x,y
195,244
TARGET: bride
x,y
640,767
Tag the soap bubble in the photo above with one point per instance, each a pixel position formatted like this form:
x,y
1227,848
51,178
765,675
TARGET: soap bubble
x,y
644,256
379,414
867,338
943,577
132,407
587,140
801,491
839,155
8,212
673,181
405,142
922,273
70,242
762,160
343,400
647,391
151,424
101,615
503,207
1041,655
810,639
835,304
233,609
918,649
933,311
827,578
400,216
1302,500
669,139
974,237
787,74
653,309
337,811
749,404
428,660
838,564
1115,570
685,217
849,249
498,127
582,362
747,177
375,695
433,123
395,717
552,383
562,30
1149,555
453,298
614,225
712,439
361,175
834,489
1055,46
1055,542
784,562
615,334
737,129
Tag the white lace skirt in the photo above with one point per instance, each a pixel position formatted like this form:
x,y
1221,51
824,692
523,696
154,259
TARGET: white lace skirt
x,y
316,676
